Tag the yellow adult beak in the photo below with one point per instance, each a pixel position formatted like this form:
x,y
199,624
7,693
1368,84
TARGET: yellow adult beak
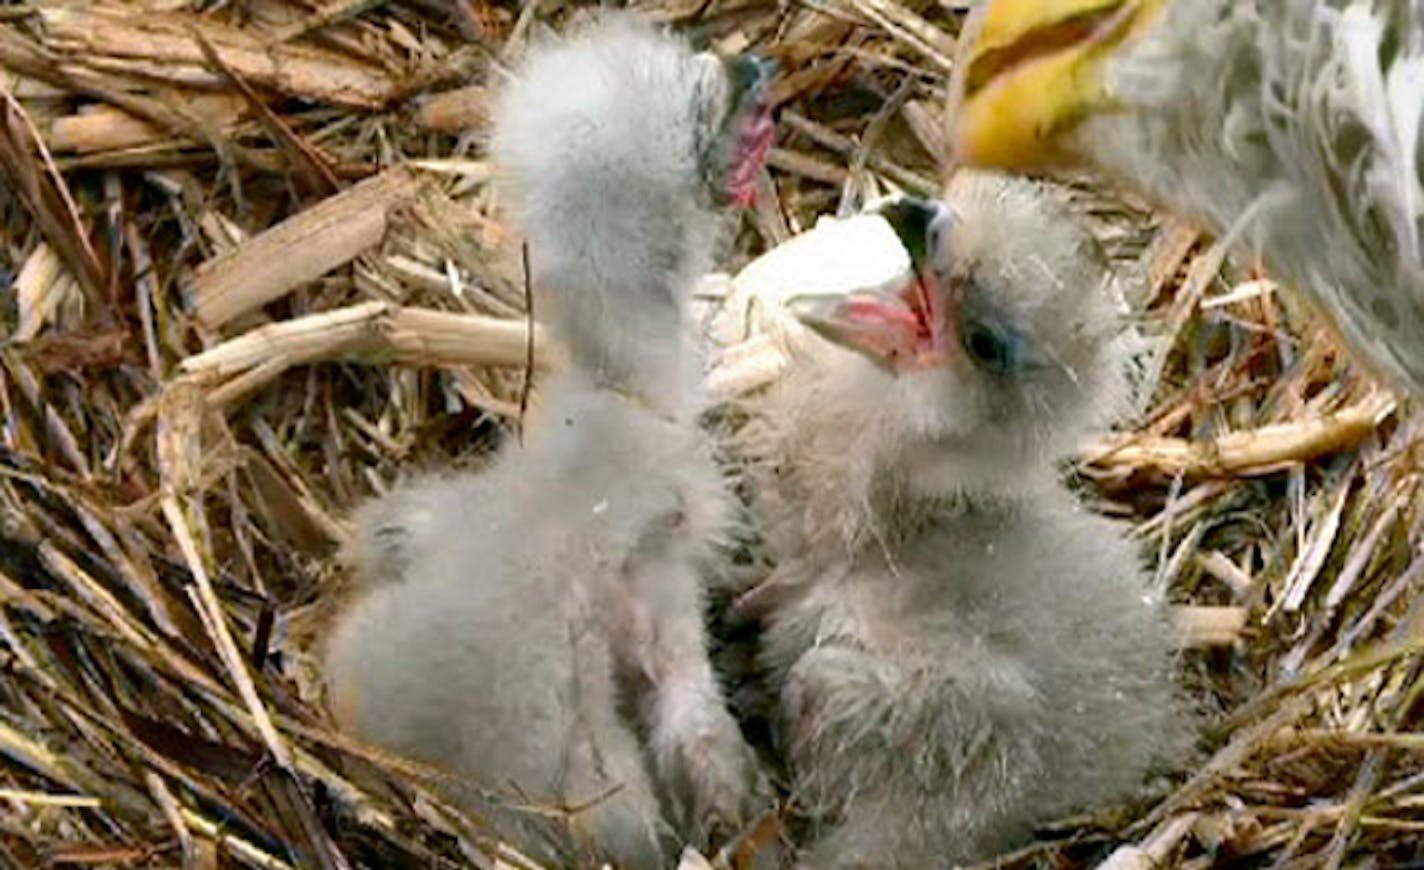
x,y
1030,70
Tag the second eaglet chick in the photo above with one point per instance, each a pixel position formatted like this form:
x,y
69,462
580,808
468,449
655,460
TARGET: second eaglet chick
x,y
959,649
537,627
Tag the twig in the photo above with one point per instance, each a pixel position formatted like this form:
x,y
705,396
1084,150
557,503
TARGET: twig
x,y
528,380
301,248
419,336
1201,626
180,423
74,241
1243,454
1154,851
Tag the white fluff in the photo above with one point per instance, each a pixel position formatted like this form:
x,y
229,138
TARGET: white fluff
x,y
957,650
537,627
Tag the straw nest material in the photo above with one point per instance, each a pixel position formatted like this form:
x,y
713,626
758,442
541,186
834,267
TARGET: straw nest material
x,y
256,272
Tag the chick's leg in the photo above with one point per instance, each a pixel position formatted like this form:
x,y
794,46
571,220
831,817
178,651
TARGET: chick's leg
x,y
661,663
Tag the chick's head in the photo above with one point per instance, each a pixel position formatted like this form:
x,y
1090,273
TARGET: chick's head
x,y
738,125
1005,348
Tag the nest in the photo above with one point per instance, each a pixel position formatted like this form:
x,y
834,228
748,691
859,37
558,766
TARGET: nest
x,y
258,272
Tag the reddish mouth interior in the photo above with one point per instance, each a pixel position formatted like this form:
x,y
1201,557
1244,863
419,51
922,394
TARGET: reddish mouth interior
x,y
753,142
909,335
926,308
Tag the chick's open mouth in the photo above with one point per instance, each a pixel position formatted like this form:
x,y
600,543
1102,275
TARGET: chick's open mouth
x,y
758,130
909,312
903,330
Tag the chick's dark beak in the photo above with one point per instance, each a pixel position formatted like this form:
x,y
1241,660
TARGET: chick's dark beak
x,y
749,77
914,222
903,328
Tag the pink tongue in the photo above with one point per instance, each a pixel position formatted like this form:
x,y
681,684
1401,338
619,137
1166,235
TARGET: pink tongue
x,y
907,334
923,308
891,316
888,330
752,144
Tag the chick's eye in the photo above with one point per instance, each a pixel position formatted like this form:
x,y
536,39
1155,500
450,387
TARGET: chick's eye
x,y
991,349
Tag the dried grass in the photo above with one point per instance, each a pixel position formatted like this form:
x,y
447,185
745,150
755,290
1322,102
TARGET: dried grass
x,y
257,272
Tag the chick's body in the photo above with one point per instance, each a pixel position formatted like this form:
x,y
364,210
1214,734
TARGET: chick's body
x,y
536,628
960,650
1000,669
488,650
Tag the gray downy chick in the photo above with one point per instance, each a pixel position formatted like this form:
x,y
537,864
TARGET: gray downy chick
x,y
959,650
537,627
